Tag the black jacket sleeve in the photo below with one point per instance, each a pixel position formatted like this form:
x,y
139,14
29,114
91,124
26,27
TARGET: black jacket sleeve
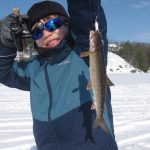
x,y
82,19
9,75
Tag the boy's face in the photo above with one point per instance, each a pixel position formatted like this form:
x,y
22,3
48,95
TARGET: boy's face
x,y
53,38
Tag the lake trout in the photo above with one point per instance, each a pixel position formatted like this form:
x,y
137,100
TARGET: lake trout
x,y
98,78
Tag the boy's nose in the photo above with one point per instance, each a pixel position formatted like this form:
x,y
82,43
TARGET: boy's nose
x,y
46,33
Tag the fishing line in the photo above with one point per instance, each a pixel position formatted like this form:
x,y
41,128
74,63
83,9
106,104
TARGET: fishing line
x,y
97,16
98,9
96,13
15,2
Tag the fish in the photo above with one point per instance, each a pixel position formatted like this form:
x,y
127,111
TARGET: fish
x,y
98,77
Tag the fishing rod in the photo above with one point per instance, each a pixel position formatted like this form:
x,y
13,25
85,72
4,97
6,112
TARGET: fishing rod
x,y
21,36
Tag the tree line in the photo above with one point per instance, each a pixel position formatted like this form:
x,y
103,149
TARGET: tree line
x,y
137,54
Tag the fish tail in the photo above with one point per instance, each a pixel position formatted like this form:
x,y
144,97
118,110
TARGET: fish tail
x,y
101,122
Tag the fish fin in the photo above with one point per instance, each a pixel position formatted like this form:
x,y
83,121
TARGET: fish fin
x,y
101,122
89,85
109,82
85,54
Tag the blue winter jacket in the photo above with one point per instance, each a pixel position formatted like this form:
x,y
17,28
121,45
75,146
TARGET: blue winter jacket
x,y
60,103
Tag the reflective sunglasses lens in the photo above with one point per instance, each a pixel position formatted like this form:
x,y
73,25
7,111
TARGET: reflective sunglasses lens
x,y
54,24
37,34
50,26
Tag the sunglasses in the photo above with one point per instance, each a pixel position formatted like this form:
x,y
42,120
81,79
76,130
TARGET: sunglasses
x,y
50,25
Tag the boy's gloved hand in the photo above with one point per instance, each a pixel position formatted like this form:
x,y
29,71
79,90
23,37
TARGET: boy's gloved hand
x,y
5,34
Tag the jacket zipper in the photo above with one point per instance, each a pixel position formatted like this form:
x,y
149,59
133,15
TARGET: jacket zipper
x,y
50,104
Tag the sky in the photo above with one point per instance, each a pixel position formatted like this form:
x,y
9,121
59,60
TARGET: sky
x,y
127,20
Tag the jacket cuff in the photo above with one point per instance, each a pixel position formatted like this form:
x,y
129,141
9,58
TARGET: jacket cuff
x,y
7,52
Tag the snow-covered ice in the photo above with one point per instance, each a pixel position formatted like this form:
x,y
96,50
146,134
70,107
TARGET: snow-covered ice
x,y
130,102
131,110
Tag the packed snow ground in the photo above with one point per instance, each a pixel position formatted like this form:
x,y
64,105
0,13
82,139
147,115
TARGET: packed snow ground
x,y
131,109
130,102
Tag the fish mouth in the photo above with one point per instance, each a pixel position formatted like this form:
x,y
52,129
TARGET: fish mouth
x,y
92,34
95,34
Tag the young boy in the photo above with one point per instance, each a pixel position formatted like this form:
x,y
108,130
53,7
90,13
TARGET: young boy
x,y
56,78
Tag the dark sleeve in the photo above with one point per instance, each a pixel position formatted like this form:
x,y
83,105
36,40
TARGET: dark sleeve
x,y
82,18
12,73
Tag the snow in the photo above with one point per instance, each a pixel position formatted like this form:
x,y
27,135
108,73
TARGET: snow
x,y
118,65
130,102
131,109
